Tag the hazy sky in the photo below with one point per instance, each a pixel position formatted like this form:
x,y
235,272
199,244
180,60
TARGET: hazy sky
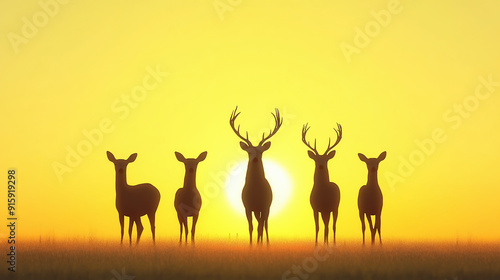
x,y
418,79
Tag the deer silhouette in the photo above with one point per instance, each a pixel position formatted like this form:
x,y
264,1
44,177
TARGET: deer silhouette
x,y
133,201
370,198
257,194
325,195
188,199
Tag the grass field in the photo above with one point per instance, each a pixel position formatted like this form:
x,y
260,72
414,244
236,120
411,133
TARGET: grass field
x,y
225,260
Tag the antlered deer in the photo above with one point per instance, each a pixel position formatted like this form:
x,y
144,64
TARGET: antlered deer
x,y
257,194
325,195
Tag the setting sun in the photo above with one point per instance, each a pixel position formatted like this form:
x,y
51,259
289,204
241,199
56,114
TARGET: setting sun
x,y
278,178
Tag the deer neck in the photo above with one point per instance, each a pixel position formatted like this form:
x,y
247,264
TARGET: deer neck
x,y
190,180
372,179
121,181
321,176
255,171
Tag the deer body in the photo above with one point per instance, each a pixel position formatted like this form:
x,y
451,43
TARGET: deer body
x,y
133,201
370,199
257,197
325,195
257,194
187,200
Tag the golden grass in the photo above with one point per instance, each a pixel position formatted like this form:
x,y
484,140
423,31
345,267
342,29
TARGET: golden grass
x,y
224,260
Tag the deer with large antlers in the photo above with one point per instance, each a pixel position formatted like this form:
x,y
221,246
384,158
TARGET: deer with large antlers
x,y
257,194
325,195
133,201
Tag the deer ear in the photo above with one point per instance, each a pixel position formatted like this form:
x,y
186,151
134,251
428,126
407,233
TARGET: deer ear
x,y
266,145
202,156
132,157
180,157
331,154
111,157
311,154
243,145
382,156
362,157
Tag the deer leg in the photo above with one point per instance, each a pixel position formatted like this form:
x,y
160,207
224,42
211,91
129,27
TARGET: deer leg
x,y
185,222
151,217
267,234
260,226
265,217
130,226
363,226
179,217
316,221
193,227
335,214
372,229
140,228
122,222
326,220
377,226
250,226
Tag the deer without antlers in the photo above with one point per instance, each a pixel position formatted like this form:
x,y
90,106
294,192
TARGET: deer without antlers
x,y
370,199
133,201
257,194
187,200
325,195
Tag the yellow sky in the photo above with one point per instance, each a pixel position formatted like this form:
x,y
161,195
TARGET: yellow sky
x,y
155,78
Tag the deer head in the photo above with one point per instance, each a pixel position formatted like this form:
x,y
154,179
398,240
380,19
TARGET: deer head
x,y
321,160
191,163
121,164
255,152
372,163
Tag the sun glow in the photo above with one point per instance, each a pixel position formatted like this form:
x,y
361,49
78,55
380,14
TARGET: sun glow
x,y
277,177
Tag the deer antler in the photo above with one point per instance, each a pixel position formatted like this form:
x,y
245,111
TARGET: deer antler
x,y
278,120
305,129
339,137
234,115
